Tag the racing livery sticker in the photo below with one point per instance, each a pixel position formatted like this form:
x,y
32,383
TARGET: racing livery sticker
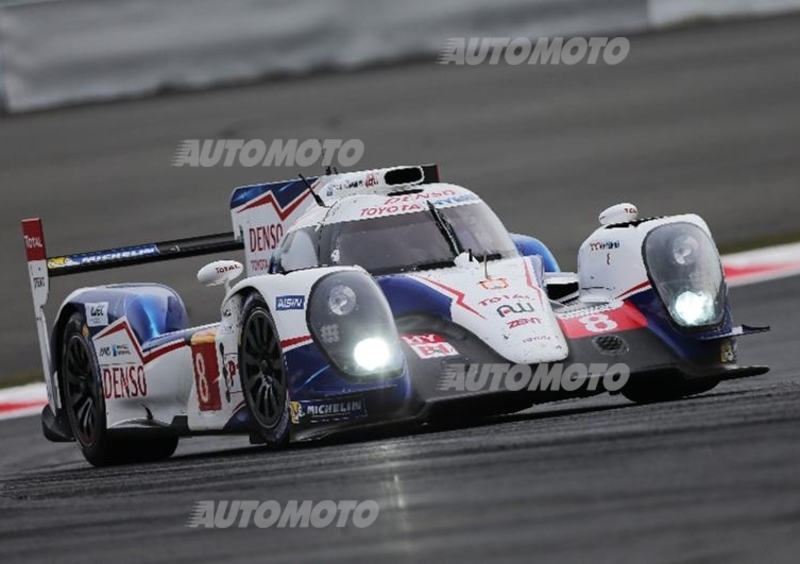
x,y
494,284
206,376
124,381
97,314
430,345
317,411
283,303
590,323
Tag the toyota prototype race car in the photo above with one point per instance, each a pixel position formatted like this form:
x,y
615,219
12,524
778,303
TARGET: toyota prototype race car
x,y
362,289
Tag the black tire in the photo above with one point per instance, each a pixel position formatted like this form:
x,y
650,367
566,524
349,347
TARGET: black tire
x,y
262,370
653,389
84,403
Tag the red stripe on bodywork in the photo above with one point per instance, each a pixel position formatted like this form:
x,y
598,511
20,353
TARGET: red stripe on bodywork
x,y
625,318
295,341
460,296
144,357
269,198
161,351
638,288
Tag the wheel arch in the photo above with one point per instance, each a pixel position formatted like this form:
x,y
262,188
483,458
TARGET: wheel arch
x,y
55,425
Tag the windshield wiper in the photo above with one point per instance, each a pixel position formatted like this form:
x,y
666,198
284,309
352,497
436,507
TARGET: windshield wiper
x,y
446,229
434,264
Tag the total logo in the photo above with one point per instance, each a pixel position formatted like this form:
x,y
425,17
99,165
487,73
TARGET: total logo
x,y
33,242
226,268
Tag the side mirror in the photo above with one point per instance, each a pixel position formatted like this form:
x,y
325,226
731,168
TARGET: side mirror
x,y
220,272
621,213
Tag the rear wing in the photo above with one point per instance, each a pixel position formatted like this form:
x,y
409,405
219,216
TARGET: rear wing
x,y
42,268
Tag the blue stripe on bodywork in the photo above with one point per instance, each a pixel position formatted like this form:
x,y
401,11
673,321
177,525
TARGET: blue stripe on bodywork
x,y
285,192
407,296
686,344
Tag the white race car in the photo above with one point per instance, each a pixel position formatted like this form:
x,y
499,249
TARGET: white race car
x,y
366,296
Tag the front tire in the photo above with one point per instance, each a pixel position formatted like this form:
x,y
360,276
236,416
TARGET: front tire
x,y
262,370
84,403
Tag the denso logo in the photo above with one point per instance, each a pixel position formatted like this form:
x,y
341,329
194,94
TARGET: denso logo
x,y
123,382
33,242
265,238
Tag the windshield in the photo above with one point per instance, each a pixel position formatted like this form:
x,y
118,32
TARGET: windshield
x,y
400,243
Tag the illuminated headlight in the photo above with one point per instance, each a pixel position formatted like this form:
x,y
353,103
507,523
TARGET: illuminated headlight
x,y
694,309
372,354
684,267
352,324
342,299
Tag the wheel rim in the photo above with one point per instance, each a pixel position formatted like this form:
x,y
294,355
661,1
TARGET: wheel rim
x,y
81,390
263,377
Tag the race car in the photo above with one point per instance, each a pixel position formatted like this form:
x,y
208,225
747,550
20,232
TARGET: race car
x,y
366,295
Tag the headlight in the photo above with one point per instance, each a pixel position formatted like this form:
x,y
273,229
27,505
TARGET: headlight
x,y
694,309
686,272
372,353
341,299
351,322
684,249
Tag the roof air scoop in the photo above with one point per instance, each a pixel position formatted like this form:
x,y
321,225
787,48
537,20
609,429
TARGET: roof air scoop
x,y
404,175
621,213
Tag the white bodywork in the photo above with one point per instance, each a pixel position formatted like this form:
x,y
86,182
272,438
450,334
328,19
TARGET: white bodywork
x,y
502,302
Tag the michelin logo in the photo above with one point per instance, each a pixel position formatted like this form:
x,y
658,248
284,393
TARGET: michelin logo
x,y
327,410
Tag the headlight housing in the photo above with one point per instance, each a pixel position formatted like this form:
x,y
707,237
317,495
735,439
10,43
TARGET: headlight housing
x,y
350,320
683,264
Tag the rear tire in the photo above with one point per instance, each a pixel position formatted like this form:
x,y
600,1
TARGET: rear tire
x,y
84,403
653,389
262,370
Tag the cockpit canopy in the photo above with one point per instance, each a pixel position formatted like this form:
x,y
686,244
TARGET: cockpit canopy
x,y
430,238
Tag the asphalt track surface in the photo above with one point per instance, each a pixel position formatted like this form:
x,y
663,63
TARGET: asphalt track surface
x,y
705,120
